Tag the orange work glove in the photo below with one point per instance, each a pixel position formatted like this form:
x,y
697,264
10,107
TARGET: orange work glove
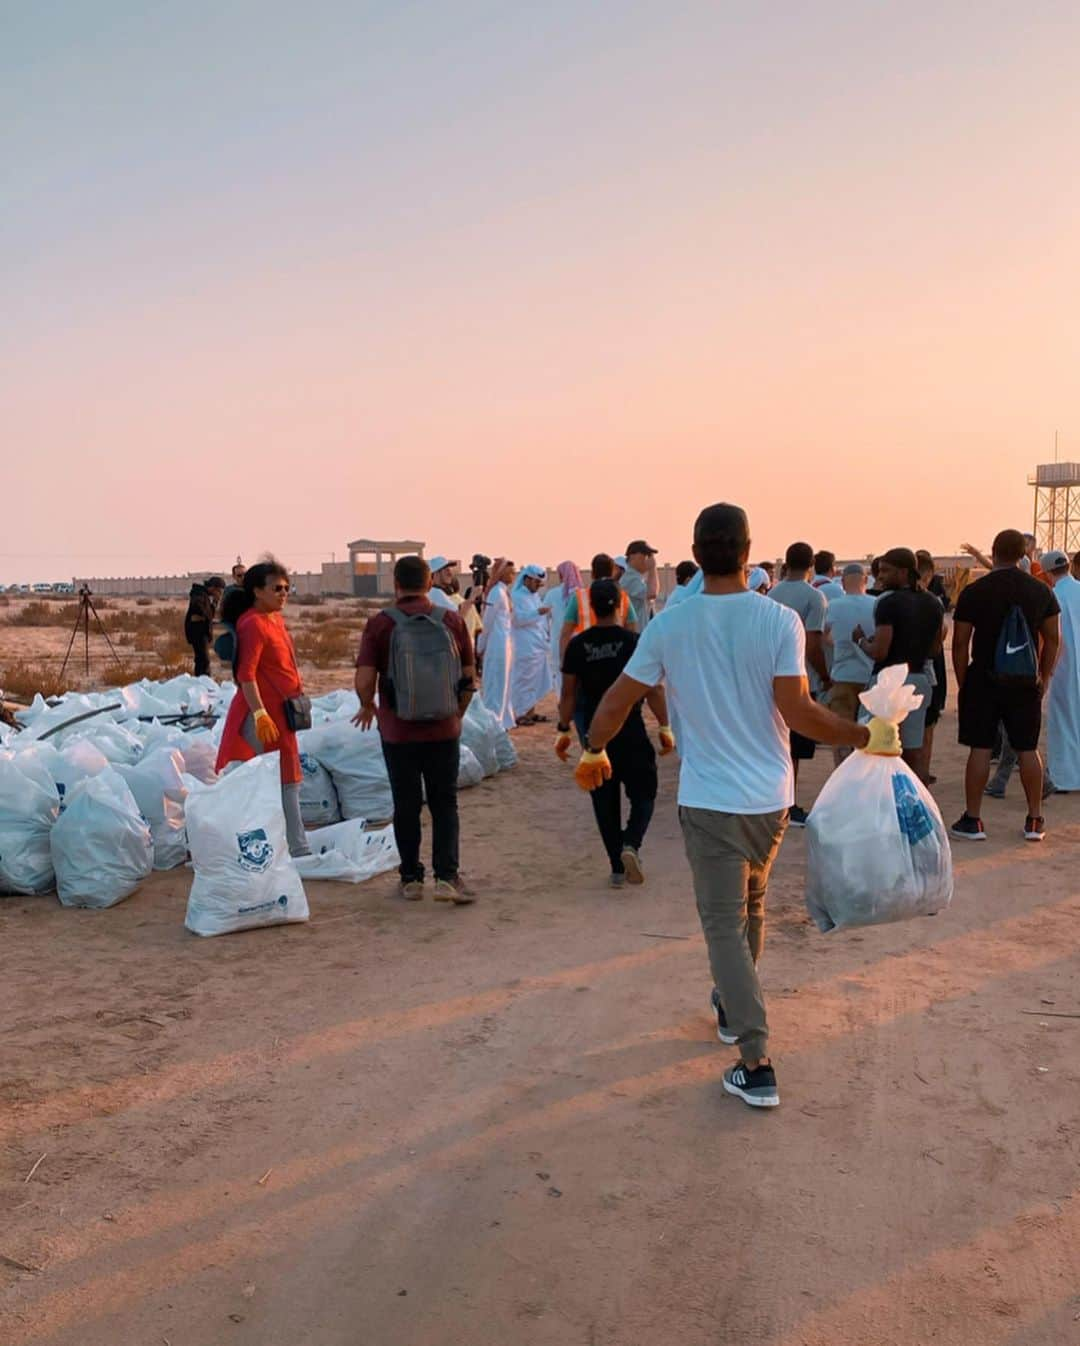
x,y
265,729
667,740
562,745
593,769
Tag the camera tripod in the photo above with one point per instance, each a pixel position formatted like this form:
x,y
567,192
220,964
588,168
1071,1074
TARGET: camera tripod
x,y
82,619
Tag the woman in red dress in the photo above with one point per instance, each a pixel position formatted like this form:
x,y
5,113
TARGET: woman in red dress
x,y
266,675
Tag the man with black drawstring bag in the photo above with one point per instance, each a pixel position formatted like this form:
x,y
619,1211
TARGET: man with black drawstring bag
x,y
1006,636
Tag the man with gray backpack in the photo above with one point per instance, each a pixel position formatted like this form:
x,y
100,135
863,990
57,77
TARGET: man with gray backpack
x,y
419,658
1006,635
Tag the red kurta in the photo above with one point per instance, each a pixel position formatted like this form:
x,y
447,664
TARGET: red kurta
x,y
266,657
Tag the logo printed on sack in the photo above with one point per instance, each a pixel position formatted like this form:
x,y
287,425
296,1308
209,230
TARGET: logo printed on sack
x,y
911,813
256,853
308,764
1015,649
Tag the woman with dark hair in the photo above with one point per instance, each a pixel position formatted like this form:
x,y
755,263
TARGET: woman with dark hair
x,y
266,676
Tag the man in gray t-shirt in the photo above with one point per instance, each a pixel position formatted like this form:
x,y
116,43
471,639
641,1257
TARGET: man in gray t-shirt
x,y
797,593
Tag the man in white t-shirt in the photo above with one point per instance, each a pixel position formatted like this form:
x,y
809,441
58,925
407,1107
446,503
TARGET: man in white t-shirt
x,y
734,668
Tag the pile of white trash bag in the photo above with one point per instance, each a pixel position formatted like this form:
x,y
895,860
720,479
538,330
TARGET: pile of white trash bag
x,y
99,788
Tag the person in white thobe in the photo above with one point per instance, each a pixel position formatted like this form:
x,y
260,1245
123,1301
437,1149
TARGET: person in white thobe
x,y
531,680
497,645
1063,698
557,599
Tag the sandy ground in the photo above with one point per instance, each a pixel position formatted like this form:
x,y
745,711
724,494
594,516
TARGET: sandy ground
x,y
401,1124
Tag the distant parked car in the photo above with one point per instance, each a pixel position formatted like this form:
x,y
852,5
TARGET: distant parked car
x,y
42,588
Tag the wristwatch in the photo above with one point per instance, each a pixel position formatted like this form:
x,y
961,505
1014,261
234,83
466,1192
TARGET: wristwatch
x,y
562,728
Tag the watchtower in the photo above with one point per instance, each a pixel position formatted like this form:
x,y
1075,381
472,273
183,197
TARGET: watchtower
x,y
1057,506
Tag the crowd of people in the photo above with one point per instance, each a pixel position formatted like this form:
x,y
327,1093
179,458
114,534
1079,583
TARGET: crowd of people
x,y
745,672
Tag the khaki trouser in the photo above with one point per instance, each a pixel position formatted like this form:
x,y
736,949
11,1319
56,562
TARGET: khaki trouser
x,y
730,857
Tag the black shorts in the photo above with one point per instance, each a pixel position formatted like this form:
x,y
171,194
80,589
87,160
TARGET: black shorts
x,y
940,693
802,749
985,704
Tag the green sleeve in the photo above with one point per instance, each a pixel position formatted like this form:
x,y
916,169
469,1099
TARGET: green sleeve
x,y
571,613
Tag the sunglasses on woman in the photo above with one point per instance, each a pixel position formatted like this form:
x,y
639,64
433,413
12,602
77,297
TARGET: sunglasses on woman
x,y
281,588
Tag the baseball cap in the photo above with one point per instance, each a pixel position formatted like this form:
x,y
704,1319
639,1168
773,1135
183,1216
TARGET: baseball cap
x,y
438,563
620,561
1054,560
853,569
757,579
640,546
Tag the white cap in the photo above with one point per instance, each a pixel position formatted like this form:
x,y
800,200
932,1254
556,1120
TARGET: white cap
x,y
621,562
438,563
758,578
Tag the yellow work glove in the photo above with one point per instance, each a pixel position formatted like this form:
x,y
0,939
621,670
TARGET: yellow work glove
x,y
562,745
593,769
667,739
884,738
265,729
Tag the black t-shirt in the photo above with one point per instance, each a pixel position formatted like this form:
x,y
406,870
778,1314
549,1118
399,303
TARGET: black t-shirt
x,y
915,618
986,604
596,657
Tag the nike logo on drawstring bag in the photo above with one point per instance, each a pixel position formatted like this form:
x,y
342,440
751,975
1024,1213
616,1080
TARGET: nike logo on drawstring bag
x,y
1015,649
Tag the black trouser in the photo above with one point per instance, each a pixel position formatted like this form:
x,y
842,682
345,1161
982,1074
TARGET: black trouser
x,y
417,770
201,648
633,769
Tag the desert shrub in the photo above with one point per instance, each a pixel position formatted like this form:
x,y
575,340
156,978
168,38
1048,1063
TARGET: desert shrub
x,y
308,601
20,681
144,602
327,644
39,613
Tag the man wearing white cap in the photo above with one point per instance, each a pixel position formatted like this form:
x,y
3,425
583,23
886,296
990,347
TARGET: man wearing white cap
x,y
531,677
442,581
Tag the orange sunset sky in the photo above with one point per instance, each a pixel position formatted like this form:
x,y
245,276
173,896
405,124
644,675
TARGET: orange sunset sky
x,y
530,279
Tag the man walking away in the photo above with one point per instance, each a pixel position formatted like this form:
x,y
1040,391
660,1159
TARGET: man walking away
x,y
734,668
421,661
825,575
592,662
640,582
851,669
796,592
909,629
1006,636
578,615
199,621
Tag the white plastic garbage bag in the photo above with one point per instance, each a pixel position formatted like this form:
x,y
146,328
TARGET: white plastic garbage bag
x,y
318,798
877,848
480,734
349,854
158,786
101,844
29,807
355,761
115,741
470,772
505,752
74,762
244,876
